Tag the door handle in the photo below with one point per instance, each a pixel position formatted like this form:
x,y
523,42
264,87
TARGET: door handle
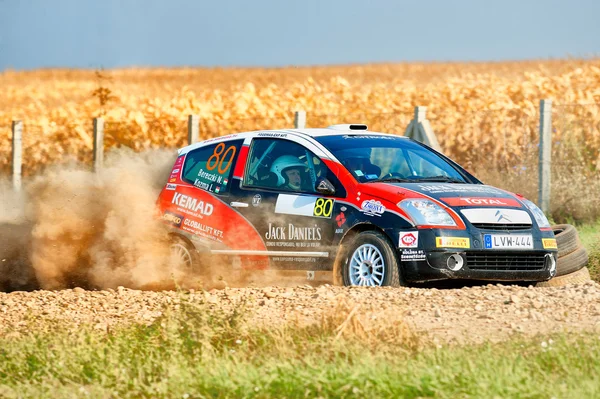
x,y
238,204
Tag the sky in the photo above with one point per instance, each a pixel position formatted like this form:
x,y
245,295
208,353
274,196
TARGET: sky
x,y
269,33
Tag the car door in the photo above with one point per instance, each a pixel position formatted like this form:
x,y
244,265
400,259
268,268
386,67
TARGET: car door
x,y
296,223
201,200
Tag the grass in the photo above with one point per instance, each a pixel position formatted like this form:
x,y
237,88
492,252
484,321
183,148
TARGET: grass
x,y
196,352
589,234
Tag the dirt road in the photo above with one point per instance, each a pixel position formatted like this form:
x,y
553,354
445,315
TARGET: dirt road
x,y
472,314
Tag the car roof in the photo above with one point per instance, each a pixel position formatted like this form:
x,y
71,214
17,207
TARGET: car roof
x,y
335,130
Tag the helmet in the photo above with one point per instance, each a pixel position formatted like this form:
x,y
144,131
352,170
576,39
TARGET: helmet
x,y
284,162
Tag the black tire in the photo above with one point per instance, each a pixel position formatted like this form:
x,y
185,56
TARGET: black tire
x,y
379,250
567,239
572,262
580,276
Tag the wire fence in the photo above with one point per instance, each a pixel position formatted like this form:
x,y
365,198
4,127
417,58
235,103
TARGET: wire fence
x,y
503,139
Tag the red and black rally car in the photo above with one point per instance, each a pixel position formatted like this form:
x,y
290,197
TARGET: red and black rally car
x,y
358,207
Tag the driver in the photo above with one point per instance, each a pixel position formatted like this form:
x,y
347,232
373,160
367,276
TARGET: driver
x,y
288,169
358,162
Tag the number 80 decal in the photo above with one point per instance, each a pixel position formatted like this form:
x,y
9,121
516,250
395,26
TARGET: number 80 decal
x,y
323,207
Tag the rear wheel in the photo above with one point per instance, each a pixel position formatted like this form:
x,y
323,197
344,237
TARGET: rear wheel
x,y
187,265
370,260
183,254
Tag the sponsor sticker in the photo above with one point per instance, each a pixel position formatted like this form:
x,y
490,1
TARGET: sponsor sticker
x,y
190,203
173,218
481,201
549,243
411,255
171,187
340,219
172,180
452,242
267,134
202,230
507,241
310,274
293,232
409,239
256,200
372,208
458,188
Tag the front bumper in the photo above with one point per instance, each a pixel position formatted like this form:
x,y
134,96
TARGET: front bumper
x,y
480,265
430,261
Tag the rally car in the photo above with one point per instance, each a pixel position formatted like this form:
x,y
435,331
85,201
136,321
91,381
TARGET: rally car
x,y
360,207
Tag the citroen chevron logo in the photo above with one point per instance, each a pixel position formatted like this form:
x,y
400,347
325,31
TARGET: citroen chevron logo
x,y
501,216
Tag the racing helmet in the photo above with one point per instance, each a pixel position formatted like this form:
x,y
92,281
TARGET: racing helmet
x,y
284,162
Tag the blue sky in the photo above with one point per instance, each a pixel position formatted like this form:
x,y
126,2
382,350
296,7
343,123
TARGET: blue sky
x,y
113,33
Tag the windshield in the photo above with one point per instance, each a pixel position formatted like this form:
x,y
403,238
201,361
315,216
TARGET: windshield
x,y
373,158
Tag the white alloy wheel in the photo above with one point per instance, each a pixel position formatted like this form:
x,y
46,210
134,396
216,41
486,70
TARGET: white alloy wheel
x,y
181,255
367,266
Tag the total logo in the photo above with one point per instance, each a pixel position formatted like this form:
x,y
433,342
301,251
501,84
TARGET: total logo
x,y
409,239
481,201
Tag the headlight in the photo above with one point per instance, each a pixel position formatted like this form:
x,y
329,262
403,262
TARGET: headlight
x,y
539,216
426,212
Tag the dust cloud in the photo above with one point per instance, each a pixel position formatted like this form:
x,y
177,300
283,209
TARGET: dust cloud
x,y
72,227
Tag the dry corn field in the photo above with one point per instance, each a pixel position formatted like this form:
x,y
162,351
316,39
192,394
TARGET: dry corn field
x,y
484,114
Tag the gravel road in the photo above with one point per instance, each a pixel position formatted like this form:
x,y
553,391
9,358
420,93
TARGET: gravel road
x,y
471,314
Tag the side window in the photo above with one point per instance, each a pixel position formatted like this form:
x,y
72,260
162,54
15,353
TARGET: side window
x,y
209,168
283,165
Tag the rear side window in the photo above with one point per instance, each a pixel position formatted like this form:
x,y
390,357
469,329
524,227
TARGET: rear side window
x,y
209,168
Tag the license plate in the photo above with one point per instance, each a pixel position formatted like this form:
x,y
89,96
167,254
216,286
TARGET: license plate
x,y
507,241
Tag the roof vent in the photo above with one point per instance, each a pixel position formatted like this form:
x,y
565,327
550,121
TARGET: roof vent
x,y
354,126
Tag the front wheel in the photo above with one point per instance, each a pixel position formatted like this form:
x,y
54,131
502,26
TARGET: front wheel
x,y
370,260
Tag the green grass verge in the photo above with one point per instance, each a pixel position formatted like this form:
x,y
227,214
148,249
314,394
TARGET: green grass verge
x,y
198,353
589,234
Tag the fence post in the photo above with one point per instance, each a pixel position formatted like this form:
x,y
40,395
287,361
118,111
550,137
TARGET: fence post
x,y
98,144
193,129
545,155
420,129
17,153
420,113
299,119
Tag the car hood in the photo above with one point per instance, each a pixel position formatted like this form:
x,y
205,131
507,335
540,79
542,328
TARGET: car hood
x,y
451,194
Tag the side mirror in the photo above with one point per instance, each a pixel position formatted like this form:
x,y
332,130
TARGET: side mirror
x,y
324,186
